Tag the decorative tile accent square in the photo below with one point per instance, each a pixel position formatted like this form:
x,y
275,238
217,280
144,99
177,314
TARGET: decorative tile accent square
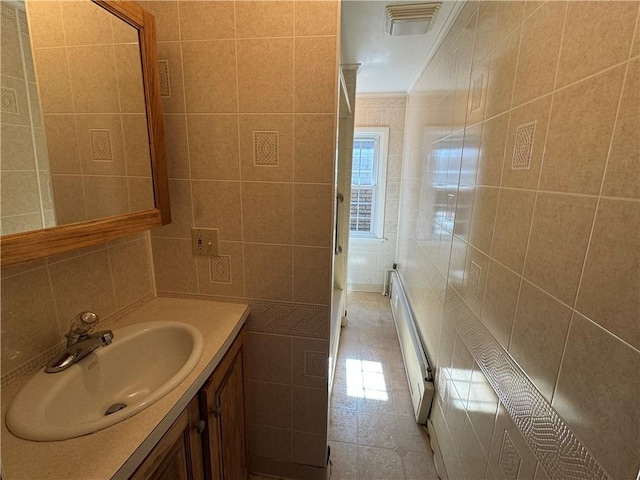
x,y
8,15
509,458
220,269
450,206
476,92
265,149
315,364
523,146
100,145
9,102
400,450
23,24
165,80
473,280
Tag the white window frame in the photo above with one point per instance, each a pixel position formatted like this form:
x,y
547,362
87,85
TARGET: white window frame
x,y
381,138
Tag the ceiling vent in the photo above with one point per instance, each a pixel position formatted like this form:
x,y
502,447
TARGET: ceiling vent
x,y
412,19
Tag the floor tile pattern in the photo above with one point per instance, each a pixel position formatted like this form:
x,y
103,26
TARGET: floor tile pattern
x,y
372,431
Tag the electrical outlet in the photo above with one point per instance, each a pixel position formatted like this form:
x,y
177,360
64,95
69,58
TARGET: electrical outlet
x,y
204,241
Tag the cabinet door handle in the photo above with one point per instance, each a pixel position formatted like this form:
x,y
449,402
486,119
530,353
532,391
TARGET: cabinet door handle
x,y
216,411
200,427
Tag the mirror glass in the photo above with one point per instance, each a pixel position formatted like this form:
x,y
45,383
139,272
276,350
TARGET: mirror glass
x,y
75,142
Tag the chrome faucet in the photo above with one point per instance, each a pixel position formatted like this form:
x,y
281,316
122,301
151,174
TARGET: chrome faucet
x,y
80,342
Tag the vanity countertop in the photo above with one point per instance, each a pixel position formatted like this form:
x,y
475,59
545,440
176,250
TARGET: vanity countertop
x,y
116,451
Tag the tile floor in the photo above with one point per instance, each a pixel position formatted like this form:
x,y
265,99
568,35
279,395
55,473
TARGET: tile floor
x,y
372,431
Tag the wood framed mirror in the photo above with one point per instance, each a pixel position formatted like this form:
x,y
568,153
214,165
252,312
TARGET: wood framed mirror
x,y
44,242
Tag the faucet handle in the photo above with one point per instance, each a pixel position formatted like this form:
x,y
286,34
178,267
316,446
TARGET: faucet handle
x,y
81,325
87,318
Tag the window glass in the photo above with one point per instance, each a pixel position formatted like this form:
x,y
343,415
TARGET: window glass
x,y
368,183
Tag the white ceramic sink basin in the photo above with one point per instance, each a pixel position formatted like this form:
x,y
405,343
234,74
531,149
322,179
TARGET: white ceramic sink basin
x,y
143,363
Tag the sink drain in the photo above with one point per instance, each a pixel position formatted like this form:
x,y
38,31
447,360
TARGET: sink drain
x,y
116,407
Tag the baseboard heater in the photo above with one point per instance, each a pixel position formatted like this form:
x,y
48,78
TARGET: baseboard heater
x,y
416,364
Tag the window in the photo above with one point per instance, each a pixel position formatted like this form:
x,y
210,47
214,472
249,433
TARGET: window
x,y
368,182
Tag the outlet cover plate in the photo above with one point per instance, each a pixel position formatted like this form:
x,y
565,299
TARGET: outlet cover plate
x,y
204,241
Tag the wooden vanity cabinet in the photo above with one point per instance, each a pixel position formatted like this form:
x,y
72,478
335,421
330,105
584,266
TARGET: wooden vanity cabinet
x,y
207,441
222,407
178,455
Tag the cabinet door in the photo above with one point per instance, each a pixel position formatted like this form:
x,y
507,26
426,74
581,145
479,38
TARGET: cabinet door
x,y
178,455
223,398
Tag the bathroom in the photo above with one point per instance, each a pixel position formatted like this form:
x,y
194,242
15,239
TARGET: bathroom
x,y
544,258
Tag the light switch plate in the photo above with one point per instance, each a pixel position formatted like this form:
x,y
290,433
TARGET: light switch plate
x,y
204,241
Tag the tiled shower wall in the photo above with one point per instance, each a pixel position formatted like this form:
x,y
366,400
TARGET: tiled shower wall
x,y
519,238
25,180
249,102
92,99
368,260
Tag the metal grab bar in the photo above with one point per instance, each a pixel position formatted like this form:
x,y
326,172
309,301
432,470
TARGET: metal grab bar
x,y
340,198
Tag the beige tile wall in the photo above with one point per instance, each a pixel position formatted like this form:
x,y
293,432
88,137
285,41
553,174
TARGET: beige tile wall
x,y
39,299
96,128
545,258
231,77
234,69
25,183
367,262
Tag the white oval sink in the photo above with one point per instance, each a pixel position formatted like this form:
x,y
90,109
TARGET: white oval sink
x,y
143,363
